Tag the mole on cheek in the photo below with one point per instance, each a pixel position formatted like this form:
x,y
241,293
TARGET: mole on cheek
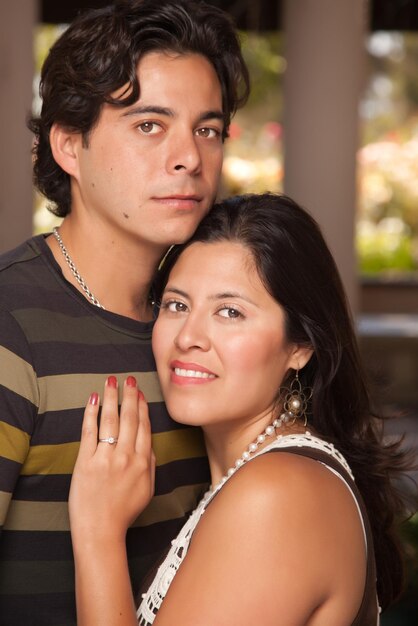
x,y
126,216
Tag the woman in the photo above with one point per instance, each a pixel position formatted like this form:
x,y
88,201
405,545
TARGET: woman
x,y
254,343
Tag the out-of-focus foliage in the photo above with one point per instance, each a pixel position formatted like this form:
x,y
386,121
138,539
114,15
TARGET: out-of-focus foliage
x,y
253,152
387,225
387,219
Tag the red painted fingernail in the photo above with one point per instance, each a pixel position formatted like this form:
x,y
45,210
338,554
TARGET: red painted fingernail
x,y
131,381
112,382
94,398
140,395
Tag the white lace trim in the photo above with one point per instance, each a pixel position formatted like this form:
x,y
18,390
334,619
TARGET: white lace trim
x,y
152,599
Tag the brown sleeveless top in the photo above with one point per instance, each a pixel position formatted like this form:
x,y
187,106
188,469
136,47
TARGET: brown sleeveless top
x,y
369,611
302,444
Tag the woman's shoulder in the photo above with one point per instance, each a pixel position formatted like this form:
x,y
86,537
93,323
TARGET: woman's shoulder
x,y
288,467
280,478
289,519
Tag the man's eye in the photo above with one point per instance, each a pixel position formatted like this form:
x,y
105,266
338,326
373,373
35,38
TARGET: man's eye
x,y
229,312
149,128
208,133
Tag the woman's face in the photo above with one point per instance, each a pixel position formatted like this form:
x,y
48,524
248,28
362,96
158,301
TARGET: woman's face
x,y
219,340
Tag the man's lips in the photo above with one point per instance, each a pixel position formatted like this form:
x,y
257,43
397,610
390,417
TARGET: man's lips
x,y
190,372
179,200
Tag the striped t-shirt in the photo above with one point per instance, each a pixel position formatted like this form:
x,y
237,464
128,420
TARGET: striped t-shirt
x,y
55,349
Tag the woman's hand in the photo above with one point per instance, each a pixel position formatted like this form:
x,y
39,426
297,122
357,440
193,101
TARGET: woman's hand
x,y
112,482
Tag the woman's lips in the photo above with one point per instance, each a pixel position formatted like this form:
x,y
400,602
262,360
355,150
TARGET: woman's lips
x,y
190,373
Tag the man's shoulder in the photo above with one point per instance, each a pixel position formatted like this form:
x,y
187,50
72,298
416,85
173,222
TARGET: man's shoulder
x,y
24,274
22,254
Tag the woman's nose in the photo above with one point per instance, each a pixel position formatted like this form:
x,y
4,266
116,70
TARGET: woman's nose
x,y
193,335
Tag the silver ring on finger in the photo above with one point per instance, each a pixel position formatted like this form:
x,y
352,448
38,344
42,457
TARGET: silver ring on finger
x,y
110,440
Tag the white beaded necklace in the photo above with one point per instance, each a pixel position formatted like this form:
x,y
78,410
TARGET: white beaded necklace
x,y
253,447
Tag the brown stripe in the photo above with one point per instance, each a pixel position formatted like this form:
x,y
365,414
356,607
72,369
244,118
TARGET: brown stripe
x,y
4,505
43,325
72,391
169,446
53,516
18,375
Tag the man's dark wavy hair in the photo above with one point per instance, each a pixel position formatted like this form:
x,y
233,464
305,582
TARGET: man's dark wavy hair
x,y
100,52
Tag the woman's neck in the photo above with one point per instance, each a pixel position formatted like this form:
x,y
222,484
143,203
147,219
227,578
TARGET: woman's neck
x,y
226,443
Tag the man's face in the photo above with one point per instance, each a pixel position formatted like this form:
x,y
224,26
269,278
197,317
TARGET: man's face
x,y
150,171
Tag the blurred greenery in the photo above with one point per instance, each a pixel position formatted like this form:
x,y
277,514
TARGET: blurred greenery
x,y
387,220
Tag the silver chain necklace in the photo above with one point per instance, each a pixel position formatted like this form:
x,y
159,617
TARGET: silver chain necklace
x,y
75,272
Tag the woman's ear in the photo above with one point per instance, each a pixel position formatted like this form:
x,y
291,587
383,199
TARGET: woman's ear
x,y
64,147
300,357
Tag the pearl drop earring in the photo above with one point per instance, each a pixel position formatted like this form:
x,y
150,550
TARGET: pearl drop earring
x,y
295,402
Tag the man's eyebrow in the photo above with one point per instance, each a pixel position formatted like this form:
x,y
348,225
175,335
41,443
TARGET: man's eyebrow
x,y
155,109
211,115
152,108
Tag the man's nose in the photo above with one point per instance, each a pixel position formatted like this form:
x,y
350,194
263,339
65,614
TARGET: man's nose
x,y
184,155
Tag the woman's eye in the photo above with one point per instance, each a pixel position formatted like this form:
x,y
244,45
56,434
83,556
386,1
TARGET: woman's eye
x,y
229,312
149,128
208,133
174,306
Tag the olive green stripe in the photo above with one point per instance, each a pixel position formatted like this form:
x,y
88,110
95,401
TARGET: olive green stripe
x,y
14,443
17,375
72,391
4,505
43,325
53,516
175,445
60,458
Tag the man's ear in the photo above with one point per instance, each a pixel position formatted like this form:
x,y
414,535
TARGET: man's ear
x,y
300,357
64,146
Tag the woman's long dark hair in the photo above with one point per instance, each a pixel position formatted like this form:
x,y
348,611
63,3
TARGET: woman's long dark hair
x,y
298,270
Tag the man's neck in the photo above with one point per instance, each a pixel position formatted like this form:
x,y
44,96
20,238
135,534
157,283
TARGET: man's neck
x,y
117,269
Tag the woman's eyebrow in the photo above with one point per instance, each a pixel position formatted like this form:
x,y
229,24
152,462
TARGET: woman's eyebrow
x,y
178,292
231,294
222,295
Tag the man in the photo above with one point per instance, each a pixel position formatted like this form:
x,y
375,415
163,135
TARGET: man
x,y
137,99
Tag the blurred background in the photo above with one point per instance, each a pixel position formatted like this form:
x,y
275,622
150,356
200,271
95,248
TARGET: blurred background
x,y
333,122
